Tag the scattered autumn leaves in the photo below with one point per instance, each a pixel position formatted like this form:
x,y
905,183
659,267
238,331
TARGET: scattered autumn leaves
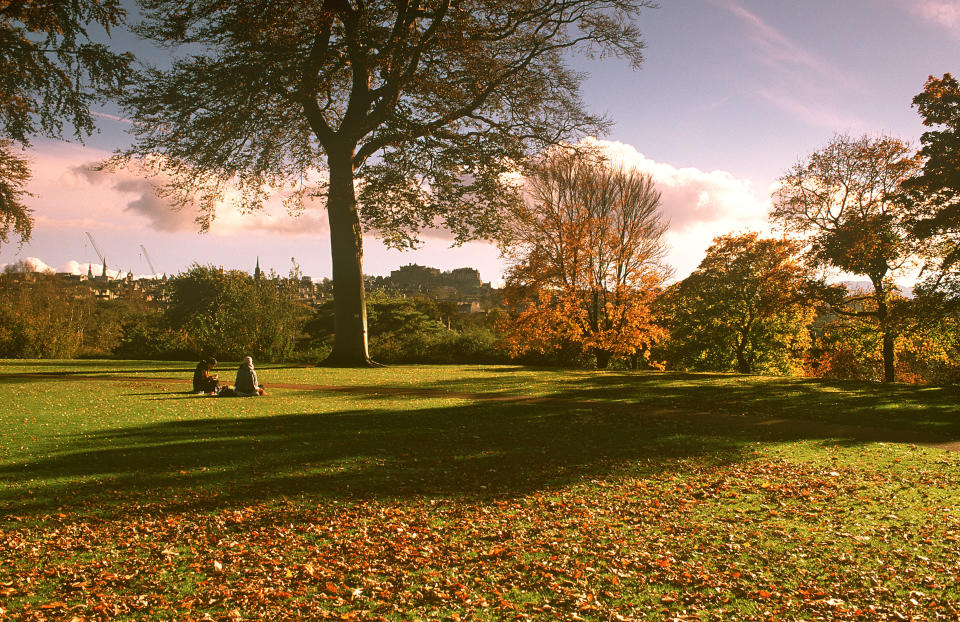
x,y
771,537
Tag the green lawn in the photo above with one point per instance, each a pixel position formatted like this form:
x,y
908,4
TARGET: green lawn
x,y
617,496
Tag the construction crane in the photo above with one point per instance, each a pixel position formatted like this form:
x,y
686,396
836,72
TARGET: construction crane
x,y
146,255
99,254
95,248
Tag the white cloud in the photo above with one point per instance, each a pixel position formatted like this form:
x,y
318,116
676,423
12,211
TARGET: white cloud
x,y
692,197
28,264
35,264
700,205
944,13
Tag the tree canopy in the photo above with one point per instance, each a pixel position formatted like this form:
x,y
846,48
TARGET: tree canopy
x,y
397,115
935,192
747,308
845,202
229,314
587,260
51,73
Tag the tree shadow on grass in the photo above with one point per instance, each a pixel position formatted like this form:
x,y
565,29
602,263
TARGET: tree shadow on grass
x,y
931,412
475,451
471,451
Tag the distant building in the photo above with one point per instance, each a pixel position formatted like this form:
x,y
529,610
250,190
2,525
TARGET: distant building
x,y
462,286
70,278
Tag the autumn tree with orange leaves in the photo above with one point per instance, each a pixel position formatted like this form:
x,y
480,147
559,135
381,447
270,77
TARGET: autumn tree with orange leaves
x,y
586,257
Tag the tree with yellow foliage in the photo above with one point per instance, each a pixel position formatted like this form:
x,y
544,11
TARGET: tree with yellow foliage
x,y
586,257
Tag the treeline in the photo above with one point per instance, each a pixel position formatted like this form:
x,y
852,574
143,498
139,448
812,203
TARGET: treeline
x,y
228,314
750,307
586,282
587,285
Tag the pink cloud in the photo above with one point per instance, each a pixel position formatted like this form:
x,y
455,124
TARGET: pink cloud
x,y
777,47
112,117
811,112
141,197
944,13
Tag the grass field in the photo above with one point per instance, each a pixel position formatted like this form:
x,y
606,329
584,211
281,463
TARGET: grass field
x,y
411,493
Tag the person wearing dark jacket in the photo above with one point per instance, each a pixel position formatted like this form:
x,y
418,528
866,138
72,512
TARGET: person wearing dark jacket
x,y
246,384
203,380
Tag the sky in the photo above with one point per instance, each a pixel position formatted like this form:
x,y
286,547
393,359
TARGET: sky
x,y
732,93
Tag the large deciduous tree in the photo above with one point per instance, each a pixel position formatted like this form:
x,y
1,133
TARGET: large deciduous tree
x,y
935,192
747,307
586,251
844,201
414,112
51,73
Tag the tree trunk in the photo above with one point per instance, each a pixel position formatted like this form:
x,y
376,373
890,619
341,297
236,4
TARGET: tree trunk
x,y
743,365
886,332
603,358
889,370
346,247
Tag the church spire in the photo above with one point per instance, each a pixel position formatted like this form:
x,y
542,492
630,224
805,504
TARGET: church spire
x,y
256,271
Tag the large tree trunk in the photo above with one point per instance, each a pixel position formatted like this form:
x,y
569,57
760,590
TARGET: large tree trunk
x,y
744,365
346,246
886,332
603,358
889,369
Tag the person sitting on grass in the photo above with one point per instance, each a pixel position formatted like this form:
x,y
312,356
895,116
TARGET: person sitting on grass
x,y
203,380
246,384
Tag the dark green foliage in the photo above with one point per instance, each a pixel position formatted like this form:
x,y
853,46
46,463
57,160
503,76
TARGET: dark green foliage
x,y
15,216
229,314
104,330
147,337
934,193
937,187
51,73
747,308
417,330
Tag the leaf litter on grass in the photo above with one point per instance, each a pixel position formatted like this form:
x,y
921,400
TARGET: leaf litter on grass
x,y
526,513
765,538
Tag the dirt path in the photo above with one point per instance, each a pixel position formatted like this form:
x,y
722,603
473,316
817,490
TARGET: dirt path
x,y
775,426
